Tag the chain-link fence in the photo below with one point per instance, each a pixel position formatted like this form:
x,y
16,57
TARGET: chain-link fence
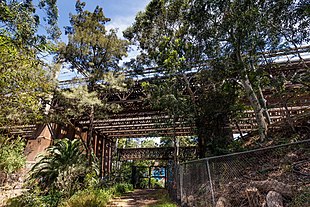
x,y
203,182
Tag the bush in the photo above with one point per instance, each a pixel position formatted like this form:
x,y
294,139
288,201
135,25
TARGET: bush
x,y
62,167
26,200
12,156
35,198
89,198
164,200
96,197
122,188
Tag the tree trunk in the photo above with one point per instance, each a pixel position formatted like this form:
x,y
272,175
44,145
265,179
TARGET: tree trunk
x,y
263,103
54,76
258,110
288,115
90,135
274,199
202,137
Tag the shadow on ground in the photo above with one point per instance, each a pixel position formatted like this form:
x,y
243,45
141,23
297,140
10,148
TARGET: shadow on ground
x,y
138,198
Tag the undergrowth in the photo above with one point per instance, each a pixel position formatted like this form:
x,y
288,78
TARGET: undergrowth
x,y
164,200
89,197
302,199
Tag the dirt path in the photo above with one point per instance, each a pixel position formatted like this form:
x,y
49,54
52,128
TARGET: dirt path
x,y
6,194
137,198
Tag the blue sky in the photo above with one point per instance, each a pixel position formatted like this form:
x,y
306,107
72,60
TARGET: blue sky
x,y
121,12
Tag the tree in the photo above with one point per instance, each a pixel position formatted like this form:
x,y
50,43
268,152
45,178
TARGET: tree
x,y
185,141
91,49
77,104
162,34
24,83
21,21
239,34
231,39
94,52
12,158
148,143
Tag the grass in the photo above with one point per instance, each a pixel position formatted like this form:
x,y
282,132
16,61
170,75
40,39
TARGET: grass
x,y
164,200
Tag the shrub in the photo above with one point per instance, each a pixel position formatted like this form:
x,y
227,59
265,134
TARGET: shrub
x,y
96,197
63,167
36,198
26,200
12,156
89,198
122,188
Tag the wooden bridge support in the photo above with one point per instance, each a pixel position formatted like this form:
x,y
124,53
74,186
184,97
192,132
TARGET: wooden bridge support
x,y
102,148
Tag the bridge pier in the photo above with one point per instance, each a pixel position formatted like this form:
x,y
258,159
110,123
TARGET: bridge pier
x,y
45,134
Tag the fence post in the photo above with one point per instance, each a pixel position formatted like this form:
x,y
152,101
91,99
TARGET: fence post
x,y
211,184
181,183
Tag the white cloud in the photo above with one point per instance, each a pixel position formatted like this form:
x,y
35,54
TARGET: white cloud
x,y
120,23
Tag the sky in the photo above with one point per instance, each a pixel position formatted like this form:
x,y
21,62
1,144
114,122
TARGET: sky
x,y
121,12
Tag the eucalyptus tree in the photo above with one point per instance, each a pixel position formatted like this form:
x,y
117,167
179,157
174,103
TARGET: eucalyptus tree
x,y
227,41
240,35
95,52
23,81
162,34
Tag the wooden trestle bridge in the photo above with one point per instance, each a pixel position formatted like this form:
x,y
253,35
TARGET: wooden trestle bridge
x,y
139,120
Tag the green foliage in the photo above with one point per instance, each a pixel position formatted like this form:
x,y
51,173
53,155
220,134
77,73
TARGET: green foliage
x,y
12,156
164,200
22,20
36,198
23,84
23,81
88,198
123,174
153,184
184,141
76,104
121,188
165,204
302,198
96,197
148,143
27,199
62,168
92,49
225,42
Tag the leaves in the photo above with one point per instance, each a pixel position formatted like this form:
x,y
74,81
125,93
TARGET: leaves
x,y
12,158
91,49
23,83
64,157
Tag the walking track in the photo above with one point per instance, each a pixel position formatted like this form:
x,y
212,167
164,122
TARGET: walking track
x,y
137,198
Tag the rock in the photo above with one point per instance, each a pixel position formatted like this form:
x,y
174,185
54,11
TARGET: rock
x,y
273,185
274,199
222,202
